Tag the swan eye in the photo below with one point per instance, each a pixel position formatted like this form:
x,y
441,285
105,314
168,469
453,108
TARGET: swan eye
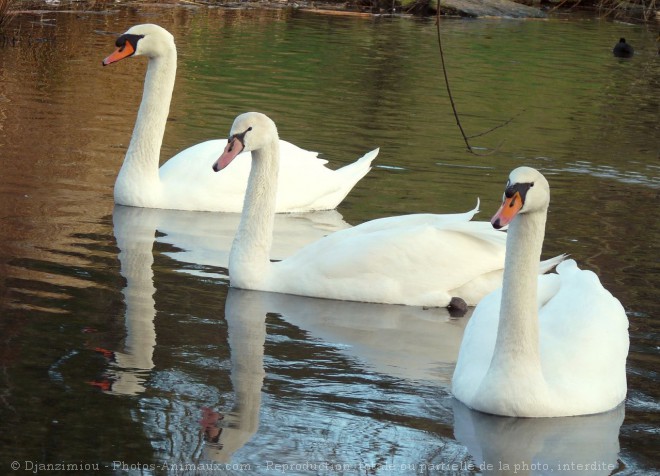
x,y
240,136
127,38
519,189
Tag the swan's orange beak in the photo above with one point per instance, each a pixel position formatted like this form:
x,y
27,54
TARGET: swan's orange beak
x,y
509,209
120,53
233,148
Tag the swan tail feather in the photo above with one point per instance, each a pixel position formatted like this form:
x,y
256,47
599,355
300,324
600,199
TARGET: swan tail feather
x,y
549,264
360,167
351,174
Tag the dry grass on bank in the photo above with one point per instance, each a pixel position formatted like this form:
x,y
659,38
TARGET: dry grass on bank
x,y
624,9
640,10
5,16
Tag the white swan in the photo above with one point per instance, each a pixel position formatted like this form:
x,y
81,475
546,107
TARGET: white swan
x,y
422,260
185,182
547,346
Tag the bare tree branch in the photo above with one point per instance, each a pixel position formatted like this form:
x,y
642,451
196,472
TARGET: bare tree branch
x,y
466,138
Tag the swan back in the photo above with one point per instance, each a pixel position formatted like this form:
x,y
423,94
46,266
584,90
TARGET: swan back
x,y
585,329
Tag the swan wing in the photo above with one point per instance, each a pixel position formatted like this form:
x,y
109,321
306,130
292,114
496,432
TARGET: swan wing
x,y
585,329
305,183
583,333
407,222
189,182
367,262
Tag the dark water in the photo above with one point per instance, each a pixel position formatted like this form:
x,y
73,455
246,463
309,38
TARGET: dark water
x,y
122,348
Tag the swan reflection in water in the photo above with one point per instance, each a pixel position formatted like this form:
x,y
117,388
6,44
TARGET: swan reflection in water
x,y
403,341
421,344
581,445
246,328
203,239
134,232
410,343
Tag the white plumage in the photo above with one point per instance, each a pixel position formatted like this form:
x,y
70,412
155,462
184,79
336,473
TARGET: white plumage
x,y
421,260
186,181
541,346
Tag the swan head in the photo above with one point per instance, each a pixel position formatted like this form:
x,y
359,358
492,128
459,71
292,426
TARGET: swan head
x,y
526,191
250,131
142,40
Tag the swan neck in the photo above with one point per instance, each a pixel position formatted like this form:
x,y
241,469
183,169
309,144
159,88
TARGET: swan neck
x,y
143,154
249,259
517,341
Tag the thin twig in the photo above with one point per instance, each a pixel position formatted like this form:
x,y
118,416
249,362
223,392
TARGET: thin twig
x,y
466,138
496,127
444,72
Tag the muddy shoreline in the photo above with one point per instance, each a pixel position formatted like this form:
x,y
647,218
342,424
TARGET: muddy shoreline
x,y
529,9
461,8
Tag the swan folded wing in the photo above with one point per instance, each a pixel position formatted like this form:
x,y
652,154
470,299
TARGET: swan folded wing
x,y
346,176
296,156
477,347
551,263
312,182
406,222
584,327
189,179
317,186
391,265
306,172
